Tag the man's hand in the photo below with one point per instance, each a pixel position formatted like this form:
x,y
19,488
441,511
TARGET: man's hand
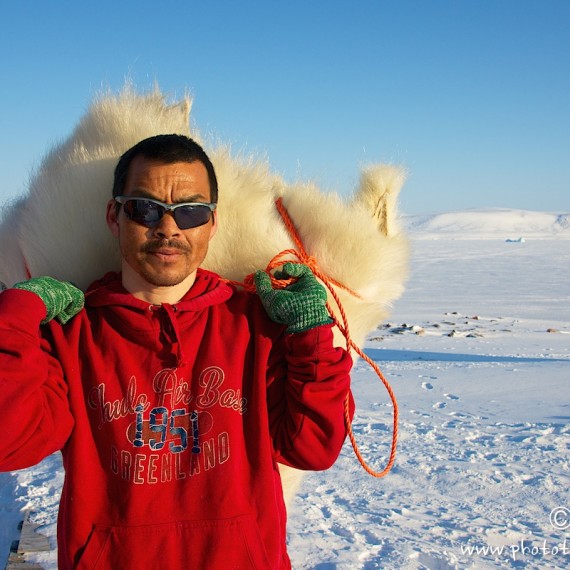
x,y
301,306
62,299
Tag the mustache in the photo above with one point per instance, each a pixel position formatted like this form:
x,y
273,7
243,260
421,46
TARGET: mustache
x,y
156,244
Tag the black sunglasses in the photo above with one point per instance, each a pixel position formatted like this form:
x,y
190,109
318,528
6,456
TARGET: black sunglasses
x,y
148,212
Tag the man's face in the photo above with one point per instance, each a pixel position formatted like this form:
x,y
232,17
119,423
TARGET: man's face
x,y
163,256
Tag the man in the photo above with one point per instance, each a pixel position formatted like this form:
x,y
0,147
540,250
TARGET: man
x,y
171,395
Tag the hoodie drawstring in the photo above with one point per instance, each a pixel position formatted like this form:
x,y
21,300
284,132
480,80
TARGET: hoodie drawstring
x,y
170,311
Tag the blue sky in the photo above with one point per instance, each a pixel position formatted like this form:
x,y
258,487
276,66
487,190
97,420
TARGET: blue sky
x,y
472,97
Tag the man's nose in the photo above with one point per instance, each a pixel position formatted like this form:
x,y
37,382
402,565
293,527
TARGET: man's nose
x,y
167,227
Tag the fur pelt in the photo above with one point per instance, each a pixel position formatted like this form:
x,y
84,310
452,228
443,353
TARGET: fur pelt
x,y
58,228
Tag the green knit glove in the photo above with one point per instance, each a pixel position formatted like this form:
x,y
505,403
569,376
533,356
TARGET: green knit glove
x,y
301,306
62,299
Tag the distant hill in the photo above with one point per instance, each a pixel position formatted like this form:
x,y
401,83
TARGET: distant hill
x,y
495,223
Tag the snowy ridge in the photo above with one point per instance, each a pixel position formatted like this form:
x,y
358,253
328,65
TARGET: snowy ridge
x,y
490,224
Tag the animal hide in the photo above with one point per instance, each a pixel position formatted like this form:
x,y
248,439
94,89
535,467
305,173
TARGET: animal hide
x,y
58,228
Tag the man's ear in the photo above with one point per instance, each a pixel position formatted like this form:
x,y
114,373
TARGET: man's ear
x,y
112,213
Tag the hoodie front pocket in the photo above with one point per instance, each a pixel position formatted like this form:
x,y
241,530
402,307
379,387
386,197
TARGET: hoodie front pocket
x,y
194,545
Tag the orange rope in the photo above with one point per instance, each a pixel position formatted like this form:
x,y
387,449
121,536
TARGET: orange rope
x,y
301,254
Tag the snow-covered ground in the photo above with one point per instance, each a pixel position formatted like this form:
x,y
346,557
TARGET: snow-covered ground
x,y
478,354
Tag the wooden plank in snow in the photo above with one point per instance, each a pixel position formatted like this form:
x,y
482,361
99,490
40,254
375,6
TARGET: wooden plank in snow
x,y
30,541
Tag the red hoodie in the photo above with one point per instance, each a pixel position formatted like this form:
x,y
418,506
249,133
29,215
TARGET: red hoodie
x,y
171,420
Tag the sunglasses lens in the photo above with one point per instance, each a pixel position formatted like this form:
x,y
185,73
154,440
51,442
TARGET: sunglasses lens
x,y
144,212
187,217
149,213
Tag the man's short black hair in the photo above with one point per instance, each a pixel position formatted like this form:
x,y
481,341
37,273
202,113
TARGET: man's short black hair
x,y
166,149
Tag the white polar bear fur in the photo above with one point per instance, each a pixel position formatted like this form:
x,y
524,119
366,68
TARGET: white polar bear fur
x,y
59,227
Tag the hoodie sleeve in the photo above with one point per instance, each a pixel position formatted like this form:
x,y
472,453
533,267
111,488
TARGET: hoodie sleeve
x,y
36,419
308,386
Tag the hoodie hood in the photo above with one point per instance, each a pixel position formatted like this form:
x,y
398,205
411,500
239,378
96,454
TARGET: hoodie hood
x,y
162,323
208,289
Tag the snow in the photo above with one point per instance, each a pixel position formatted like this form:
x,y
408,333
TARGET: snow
x,y
491,223
478,354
